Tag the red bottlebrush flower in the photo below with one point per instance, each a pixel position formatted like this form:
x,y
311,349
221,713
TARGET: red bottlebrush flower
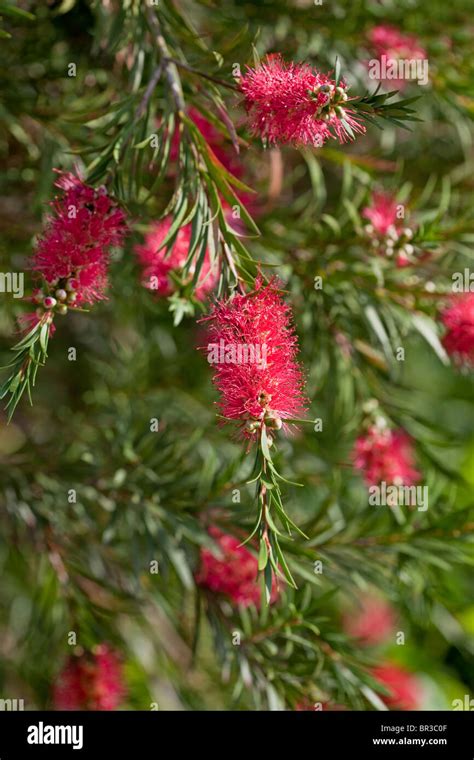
x,y
292,103
90,682
158,264
372,623
75,245
385,455
404,687
458,318
235,574
390,41
386,230
394,45
253,347
382,214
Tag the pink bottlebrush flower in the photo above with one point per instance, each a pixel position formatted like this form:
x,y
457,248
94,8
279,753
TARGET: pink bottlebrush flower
x,y
91,681
390,41
382,213
235,574
74,247
385,455
458,318
394,45
404,687
292,103
386,230
373,623
253,347
158,263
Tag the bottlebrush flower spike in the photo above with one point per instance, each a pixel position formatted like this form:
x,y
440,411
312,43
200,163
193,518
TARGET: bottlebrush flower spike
x,y
72,257
386,230
404,687
292,103
458,318
382,213
389,42
372,623
235,574
158,263
91,681
73,252
252,347
385,455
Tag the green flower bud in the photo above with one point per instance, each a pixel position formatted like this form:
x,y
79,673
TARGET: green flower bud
x,y
273,421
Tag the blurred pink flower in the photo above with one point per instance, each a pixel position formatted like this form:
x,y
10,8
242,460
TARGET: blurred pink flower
x,y
390,43
404,687
92,681
235,574
387,232
372,623
458,318
158,263
222,149
385,455
382,213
